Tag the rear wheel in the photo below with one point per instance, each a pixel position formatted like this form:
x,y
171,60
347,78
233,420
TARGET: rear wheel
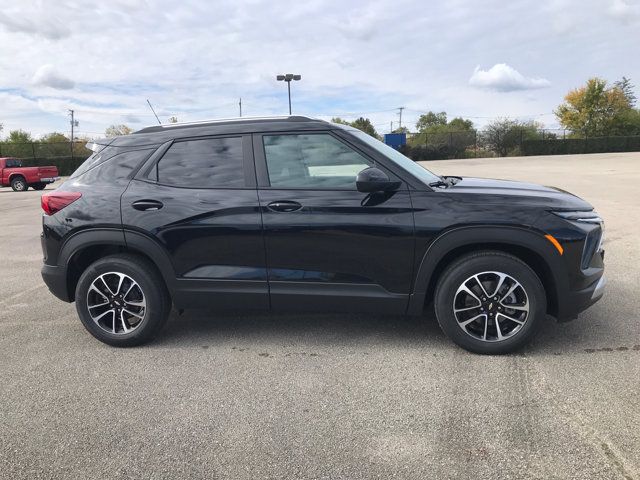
x,y
122,300
38,186
19,184
489,302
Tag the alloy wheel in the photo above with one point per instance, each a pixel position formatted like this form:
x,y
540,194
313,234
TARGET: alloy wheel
x,y
491,306
116,303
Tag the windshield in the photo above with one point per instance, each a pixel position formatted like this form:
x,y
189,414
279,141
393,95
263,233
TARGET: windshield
x,y
407,164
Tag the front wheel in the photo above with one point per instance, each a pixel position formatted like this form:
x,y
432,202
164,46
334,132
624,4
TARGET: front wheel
x,y
489,302
122,300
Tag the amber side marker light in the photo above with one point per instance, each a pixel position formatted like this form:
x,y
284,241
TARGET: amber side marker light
x,y
555,243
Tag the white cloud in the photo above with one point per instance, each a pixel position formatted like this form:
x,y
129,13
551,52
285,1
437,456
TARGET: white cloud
x,y
624,11
504,78
34,24
47,76
361,57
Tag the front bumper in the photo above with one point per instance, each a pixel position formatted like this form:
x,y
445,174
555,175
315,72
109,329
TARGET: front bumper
x,y
55,278
580,300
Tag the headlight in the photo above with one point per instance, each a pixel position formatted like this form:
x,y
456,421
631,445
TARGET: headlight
x,y
586,217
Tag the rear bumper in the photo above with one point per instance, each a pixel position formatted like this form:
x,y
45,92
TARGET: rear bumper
x,y
55,278
580,300
48,179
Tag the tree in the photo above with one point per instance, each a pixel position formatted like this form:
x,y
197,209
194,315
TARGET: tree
x,y
401,130
54,137
504,135
115,130
19,136
627,89
365,125
361,123
430,120
593,110
459,124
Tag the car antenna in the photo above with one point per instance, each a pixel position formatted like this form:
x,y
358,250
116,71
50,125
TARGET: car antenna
x,y
154,112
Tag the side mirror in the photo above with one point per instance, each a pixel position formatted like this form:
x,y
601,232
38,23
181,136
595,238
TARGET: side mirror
x,y
373,179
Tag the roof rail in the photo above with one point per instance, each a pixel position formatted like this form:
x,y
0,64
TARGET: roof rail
x,y
283,118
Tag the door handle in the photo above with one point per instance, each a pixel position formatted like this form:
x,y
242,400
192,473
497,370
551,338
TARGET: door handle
x,y
147,205
284,206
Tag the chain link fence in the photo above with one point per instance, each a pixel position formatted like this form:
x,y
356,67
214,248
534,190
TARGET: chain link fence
x,y
514,142
59,154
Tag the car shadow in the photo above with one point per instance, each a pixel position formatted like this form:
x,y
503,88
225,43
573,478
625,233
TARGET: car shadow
x,y
207,329
210,329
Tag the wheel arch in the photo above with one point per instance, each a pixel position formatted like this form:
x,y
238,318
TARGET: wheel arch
x,y
15,175
83,248
528,245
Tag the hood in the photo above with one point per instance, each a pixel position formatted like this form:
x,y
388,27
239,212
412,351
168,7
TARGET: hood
x,y
523,193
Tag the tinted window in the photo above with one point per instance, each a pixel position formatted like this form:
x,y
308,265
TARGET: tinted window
x,y
213,162
312,160
95,159
117,169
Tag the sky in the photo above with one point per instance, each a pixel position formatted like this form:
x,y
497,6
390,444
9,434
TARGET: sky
x,y
194,59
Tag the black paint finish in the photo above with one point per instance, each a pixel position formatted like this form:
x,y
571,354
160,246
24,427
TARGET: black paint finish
x,y
250,245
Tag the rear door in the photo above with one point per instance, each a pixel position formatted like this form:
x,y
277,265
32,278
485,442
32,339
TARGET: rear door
x,y
199,202
330,247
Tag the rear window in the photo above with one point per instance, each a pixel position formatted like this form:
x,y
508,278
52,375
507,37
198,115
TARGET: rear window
x,y
203,163
117,167
13,163
96,159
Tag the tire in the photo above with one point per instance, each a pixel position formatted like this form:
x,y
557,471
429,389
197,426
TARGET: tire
x,y
38,186
500,326
141,311
19,184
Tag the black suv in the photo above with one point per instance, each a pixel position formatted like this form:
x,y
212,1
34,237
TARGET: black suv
x,y
295,213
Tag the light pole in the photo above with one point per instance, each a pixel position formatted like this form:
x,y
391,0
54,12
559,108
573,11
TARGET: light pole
x,y
287,78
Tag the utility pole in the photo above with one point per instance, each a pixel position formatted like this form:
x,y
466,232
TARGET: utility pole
x,y
74,123
240,105
391,131
400,109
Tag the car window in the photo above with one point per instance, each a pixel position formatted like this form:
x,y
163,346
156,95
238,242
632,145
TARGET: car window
x,y
117,169
13,163
312,161
205,163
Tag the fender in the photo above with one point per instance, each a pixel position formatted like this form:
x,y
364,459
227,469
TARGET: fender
x,y
157,253
16,174
121,238
84,238
527,238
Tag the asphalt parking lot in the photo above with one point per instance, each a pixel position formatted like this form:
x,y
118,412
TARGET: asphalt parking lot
x,y
327,396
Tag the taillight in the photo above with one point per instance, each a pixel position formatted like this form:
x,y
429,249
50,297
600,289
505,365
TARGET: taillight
x,y
55,201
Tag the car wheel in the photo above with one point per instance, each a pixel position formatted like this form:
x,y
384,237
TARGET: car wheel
x,y
489,302
38,186
122,300
19,184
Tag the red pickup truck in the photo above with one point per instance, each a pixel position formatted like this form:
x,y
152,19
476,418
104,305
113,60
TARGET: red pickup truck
x,y
20,178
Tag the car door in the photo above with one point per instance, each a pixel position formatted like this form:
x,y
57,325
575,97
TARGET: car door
x,y
328,246
197,199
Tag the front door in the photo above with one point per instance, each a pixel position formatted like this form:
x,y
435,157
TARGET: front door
x,y
330,247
